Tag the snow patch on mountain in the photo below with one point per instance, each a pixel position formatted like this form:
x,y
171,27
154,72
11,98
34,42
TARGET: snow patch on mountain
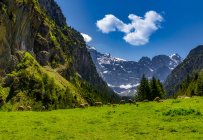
x,y
124,76
104,72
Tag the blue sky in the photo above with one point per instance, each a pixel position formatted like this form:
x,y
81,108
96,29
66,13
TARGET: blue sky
x,y
180,30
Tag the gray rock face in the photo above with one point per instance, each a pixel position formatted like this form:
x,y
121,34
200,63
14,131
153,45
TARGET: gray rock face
x,y
54,11
15,21
43,58
40,28
124,76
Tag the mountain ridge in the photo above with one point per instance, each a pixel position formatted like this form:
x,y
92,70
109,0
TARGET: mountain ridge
x,y
123,76
192,64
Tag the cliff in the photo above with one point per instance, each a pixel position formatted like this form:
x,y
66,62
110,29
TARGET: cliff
x,y
39,28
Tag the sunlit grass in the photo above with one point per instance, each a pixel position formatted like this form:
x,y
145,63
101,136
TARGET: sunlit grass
x,y
147,121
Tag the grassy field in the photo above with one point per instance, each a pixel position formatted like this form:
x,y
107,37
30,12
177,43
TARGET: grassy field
x,y
171,119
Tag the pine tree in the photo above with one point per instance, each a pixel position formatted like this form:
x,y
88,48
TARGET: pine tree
x,y
161,89
154,89
200,86
150,90
143,91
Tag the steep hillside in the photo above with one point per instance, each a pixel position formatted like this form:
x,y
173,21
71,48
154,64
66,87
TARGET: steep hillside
x,y
190,66
124,76
40,29
30,84
192,85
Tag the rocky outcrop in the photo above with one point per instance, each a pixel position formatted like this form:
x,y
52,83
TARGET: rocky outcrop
x,y
54,11
15,31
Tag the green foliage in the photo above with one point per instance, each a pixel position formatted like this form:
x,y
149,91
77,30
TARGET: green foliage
x,y
199,90
150,89
155,92
55,61
3,8
33,85
143,91
176,101
3,93
191,65
54,40
157,89
181,112
192,85
93,93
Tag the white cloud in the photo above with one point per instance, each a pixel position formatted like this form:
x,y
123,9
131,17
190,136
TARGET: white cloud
x,y
110,23
137,32
86,37
128,86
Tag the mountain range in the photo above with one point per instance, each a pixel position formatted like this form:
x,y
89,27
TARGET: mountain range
x,y
124,76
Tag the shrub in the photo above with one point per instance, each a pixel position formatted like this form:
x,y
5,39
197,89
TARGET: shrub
x,y
176,101
181,112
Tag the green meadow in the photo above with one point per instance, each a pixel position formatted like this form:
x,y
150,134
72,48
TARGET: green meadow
x,y
179,119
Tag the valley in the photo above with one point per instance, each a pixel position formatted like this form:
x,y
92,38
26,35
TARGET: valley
x,y
54,85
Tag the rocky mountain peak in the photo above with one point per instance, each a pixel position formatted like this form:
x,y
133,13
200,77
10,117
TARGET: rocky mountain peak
x,y
54,11
145,61
197,50
176,58
123,76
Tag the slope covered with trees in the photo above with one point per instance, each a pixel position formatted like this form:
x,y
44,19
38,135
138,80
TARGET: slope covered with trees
x,y
39,27
192,85
192,64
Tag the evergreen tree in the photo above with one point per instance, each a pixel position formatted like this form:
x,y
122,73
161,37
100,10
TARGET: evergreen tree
x,y
200,86
143,89
154,89
161,89
150,90
192,85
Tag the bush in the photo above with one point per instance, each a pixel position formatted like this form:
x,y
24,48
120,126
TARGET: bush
x,y
176,101
7,107
181,112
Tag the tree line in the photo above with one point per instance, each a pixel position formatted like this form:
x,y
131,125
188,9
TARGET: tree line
x,y
192,85
149,89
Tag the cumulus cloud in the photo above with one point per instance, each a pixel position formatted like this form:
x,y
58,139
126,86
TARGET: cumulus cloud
x,y
137,32
86,37
110,23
